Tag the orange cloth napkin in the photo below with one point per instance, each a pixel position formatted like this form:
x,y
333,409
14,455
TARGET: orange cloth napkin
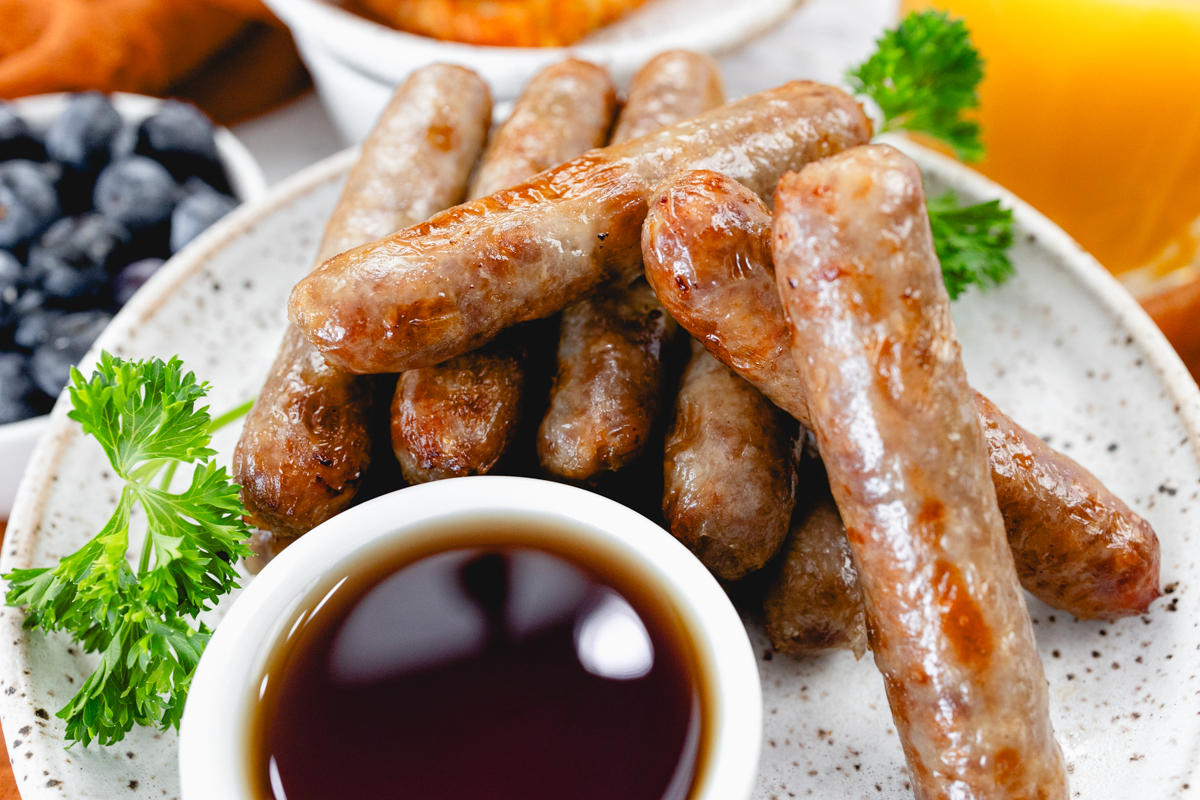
x,y
231,56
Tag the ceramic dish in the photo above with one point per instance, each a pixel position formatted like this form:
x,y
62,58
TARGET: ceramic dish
x,y
213,760
246,180
357,63
1061,347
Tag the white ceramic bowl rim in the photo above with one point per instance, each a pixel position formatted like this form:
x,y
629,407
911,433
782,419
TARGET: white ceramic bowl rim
x,y
378,49
212,747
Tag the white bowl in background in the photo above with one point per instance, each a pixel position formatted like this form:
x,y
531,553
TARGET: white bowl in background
x,y
215,739
246,180
356,62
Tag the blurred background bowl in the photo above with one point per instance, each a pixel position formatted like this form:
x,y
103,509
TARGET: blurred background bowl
x,y
246,180
356,62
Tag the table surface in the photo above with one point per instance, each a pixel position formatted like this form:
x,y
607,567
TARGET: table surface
x,y
818,42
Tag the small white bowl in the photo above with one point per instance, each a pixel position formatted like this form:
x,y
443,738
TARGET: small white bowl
x,y
246,180
356,62
214,746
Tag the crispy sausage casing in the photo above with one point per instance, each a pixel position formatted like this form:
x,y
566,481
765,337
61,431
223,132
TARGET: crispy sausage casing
x,y
610,382
305,446
1077,546
611,375
729,469
814,602
445,287
457,418
1075,540
671,87
902,444
564,110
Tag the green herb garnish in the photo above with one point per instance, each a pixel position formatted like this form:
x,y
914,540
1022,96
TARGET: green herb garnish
x,y
144,416
923,75
972,242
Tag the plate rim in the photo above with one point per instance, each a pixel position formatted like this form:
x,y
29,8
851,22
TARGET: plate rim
x,y
39,478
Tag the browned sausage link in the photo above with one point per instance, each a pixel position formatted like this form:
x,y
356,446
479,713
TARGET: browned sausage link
x,y
436,290
456,418
902,444
708,261
1075,540
814,602
564,110
610,383
449,421
729,469
305,447
611,375
671,87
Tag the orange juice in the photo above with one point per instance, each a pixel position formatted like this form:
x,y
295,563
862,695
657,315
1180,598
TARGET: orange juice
x,y
1091,112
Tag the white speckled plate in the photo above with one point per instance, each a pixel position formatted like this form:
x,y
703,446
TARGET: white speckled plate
x,y
1061,347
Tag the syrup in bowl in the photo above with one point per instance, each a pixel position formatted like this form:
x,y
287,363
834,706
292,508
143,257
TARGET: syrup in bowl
x,y
492,661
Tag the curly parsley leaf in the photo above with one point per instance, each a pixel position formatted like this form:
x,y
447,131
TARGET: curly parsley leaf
x,y
971,242
923,75
144,415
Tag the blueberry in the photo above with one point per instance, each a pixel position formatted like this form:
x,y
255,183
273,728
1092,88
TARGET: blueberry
x,y
131,278
81,135
11,277
180,137
11,272
137,192
194,185
31,300
28,202
195,214
16,140
124,144
85,240
14,386
33,330
73,257
70,337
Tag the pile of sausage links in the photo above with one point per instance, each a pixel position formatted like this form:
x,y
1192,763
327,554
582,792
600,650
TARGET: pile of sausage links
x,y
822,428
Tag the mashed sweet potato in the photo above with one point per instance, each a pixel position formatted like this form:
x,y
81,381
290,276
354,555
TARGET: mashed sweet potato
x,y
507,23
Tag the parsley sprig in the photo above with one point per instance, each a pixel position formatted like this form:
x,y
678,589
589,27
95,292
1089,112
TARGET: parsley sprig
x,y
972,242
144,415
923,75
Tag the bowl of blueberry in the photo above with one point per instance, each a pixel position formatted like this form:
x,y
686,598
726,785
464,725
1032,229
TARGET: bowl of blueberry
x,y
96,192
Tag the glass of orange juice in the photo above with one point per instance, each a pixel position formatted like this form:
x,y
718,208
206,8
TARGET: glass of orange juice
x,y
1091,112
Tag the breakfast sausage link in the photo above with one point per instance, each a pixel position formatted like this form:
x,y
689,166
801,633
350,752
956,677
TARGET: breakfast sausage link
x,y
902,443
671,87
457,418
305,445
610,383
611,375
445,287
1077,546
564,110
1075,541
814,602
729,469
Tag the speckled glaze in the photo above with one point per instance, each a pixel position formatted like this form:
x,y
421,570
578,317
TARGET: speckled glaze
x,y
1061,348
